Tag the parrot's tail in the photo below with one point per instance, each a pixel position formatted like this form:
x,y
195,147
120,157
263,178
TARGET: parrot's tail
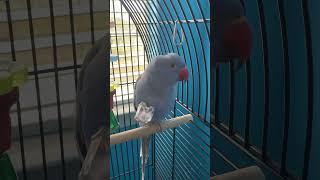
x,y
144,154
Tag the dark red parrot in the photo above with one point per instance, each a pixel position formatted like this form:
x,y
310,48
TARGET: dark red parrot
x,y
232,33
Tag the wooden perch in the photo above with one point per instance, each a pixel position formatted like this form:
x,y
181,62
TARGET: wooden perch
x,y
149,130
249,173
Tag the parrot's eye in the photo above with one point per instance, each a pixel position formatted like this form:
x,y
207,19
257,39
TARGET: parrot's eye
x,y
173,65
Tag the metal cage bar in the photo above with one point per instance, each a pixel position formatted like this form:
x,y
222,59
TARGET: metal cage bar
x,y
56,76
43,150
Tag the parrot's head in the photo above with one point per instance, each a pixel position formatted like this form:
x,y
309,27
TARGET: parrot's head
x,y
233,35
170,68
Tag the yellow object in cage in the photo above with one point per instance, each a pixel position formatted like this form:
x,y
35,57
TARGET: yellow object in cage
x,y
12,74
113,86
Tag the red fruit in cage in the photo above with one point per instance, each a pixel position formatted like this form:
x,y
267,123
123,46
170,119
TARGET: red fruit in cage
x,y
6,101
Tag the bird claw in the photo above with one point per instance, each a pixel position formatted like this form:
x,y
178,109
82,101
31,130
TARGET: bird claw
x,y
157,124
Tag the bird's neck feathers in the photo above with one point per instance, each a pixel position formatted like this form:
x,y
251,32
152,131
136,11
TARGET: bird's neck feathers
x,y
156,84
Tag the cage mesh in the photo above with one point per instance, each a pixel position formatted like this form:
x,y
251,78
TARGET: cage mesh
x,y
181,153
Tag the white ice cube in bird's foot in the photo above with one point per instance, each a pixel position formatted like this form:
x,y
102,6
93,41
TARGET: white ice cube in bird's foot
x,y
144,113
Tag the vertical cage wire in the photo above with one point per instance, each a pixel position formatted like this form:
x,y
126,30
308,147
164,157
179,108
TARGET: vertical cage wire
x,y
73,41
56,76
35,68
310,76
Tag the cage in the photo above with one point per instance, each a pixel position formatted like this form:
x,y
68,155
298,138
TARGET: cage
x,y
265,114
175,153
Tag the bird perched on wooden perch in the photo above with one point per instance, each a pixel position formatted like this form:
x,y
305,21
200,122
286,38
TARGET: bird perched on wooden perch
x,y
155,93
232,33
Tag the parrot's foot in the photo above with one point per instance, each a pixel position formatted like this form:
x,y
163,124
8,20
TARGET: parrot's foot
x,y
156,124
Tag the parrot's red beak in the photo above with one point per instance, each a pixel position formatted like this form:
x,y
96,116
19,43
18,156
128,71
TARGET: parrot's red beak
x,y
183,74
237,39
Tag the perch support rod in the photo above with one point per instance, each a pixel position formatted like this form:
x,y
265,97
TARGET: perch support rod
x,y
149,129
249,173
